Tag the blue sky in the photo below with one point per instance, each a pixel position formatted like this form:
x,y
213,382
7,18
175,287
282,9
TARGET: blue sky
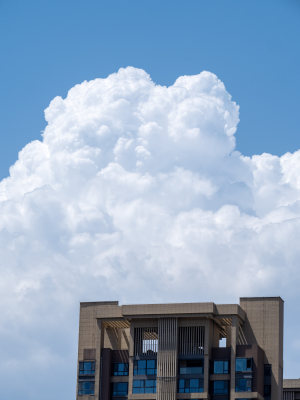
x,y
253,46
169,200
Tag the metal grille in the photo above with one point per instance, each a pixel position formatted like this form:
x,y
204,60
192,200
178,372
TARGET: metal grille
x,y
191,340
166,388
167,359
145,341
288,395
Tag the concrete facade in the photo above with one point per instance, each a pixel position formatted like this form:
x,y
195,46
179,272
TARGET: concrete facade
x,y
291,389
177,351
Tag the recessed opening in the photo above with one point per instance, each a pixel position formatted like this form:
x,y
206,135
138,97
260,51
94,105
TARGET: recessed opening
x,y
222,342
150,346
145,341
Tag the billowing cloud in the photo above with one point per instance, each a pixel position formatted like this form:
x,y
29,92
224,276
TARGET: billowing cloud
x,y
136,193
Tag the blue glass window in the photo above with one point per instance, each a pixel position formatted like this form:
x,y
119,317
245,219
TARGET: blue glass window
x,y
191,370
191,367
120,369
120,389
221,367
144,367
144,386
243,364
243,384
86,387
86,367
190,385
138,386
220,387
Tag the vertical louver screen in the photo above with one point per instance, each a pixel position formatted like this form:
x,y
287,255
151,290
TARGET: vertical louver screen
x,y
191,340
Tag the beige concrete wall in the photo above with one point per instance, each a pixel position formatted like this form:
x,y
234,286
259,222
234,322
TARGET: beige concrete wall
x,y
264,326
90,333
291,384
115,338
168,309
89,338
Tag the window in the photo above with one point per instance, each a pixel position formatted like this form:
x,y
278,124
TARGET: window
x,y
243,377
243,364
120,389
86,384
267,390
120,369
190,385
220,387
144,367
221,367
86,387
243,384
86,367
190,367
267,381
144,386
267,373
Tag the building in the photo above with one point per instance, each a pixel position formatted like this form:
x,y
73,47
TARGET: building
x,y
181,351
291,389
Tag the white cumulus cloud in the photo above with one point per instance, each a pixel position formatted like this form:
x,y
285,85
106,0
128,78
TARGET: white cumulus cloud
x,y
136,193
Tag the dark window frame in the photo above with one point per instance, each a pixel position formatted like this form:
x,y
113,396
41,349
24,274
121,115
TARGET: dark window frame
x,y
239,387
221,390
248,366
116,392
191,367
149,369
117,371
224,369
267,381
82,390
82,370
143,386
185,385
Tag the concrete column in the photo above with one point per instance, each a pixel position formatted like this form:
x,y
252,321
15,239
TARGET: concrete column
x,y
207,335
99,345
131,358
233,336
